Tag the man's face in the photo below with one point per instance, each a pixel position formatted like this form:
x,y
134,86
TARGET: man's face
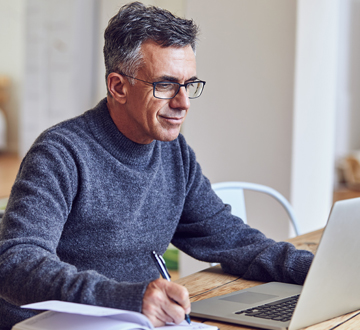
x,y
147,117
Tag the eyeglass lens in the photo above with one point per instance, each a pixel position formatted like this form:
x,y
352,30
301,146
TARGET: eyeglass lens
x,y
168,90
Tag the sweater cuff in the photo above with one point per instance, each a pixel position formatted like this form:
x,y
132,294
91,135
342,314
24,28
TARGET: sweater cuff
x,y
300,266
124,295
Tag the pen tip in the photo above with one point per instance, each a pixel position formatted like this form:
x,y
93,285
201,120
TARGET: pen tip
x,y
187,318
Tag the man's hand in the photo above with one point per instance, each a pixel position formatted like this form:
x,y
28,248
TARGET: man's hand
x,y
165,302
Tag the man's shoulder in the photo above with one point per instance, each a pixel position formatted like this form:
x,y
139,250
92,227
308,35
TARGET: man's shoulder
x,y
68,129
74,127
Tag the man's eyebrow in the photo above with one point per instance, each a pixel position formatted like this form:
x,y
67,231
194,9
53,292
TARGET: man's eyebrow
x,y
193,78
174,79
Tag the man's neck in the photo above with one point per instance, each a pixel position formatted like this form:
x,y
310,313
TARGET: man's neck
x,y
121,123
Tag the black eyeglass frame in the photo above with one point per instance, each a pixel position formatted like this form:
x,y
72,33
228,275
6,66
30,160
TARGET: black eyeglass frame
x,y
169,82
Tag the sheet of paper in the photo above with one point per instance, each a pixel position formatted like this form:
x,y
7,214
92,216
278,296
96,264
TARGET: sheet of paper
x,y
90,310
74,308
185,326
59,321
114,314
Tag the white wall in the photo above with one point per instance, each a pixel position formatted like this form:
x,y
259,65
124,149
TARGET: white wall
x,y
316,86
241,127
348,102
59,65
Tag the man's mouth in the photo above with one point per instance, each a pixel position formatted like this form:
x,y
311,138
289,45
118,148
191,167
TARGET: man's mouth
x,y
172,119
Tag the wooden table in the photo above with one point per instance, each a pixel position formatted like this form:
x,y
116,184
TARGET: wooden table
x,y
214,282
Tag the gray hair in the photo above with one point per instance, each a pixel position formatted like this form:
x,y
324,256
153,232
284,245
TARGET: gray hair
x,y
134,24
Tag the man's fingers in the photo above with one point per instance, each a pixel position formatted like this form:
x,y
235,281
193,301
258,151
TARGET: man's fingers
x,y
180,295
165,302
156,315
155,303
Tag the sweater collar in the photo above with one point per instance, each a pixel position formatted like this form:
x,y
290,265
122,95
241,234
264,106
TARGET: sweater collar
x,y
108,135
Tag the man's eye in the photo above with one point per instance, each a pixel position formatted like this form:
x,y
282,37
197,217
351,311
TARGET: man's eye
x,y
164,86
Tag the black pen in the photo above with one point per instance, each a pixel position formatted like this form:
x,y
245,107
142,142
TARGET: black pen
x,y
161,266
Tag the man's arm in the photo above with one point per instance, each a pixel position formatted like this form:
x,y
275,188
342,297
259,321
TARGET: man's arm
x,y
209,232
30,269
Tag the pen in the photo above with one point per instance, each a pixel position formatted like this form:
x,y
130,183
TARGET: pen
x,y
161,266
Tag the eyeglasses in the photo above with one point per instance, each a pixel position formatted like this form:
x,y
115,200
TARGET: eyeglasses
x,y
168,90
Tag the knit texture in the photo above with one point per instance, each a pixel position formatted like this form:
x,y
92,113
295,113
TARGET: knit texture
x,y
88,206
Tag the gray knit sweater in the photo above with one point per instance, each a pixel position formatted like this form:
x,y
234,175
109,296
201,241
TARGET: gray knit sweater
x,y
88,206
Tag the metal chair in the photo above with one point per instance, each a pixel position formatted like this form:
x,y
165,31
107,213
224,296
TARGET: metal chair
x,y
232,193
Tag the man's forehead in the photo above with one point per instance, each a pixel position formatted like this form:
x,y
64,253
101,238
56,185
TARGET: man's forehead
x,y
169,61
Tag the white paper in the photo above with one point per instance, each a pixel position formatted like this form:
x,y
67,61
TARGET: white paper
x,y
186,326
74,308
89,317
60,321
90,310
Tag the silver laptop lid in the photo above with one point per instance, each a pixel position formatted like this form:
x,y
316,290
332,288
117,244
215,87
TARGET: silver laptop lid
x,y
332,287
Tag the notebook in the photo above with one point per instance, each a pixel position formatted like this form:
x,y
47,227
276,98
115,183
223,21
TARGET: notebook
x,y
331,287
61,315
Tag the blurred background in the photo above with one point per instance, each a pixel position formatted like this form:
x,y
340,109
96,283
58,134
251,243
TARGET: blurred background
x,y
281,105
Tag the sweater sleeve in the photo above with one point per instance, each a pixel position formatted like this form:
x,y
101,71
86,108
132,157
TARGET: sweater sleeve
x,y
30,269
209,232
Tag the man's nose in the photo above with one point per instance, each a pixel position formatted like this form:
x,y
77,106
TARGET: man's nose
x,y
181,100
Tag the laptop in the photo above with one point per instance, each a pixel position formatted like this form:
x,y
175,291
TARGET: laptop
x,y
331,288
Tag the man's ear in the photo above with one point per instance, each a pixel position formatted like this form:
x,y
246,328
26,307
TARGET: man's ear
x,y
117,87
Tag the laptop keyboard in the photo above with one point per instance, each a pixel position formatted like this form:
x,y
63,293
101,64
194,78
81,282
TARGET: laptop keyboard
x,y
280,310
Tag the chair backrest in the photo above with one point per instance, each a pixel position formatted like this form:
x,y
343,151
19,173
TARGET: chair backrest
x,y
232,193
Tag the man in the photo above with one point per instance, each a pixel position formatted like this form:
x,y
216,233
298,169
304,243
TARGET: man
x,y
95,195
